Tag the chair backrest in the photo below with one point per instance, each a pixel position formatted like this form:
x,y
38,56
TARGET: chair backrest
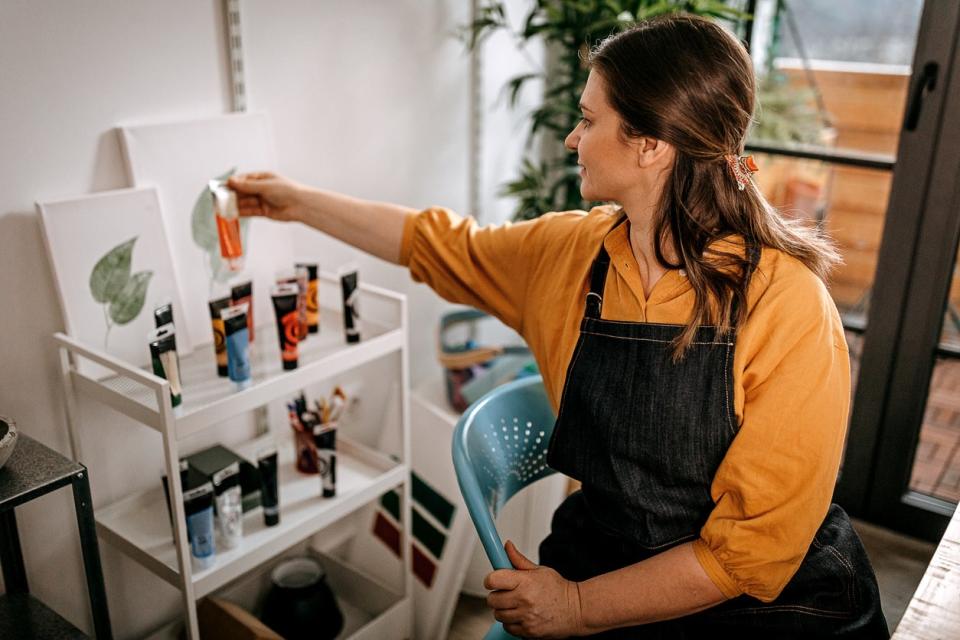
x,y
499,447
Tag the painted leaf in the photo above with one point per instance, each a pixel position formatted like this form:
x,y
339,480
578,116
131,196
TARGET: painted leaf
x,y
203,227
111,272
127,306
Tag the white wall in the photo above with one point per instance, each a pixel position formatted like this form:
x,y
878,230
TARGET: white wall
x,y
370,98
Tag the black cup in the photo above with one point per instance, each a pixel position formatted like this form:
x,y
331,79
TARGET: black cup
x,y
300,604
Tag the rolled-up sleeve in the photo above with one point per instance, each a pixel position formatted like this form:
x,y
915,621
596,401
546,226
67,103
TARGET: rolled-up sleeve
x,y
774,486
484,267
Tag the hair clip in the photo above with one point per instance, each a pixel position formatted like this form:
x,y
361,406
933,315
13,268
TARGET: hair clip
x,y
741,167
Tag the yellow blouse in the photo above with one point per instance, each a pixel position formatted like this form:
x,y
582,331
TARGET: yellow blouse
x,y
791,366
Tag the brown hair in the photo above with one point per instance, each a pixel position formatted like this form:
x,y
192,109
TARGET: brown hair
x,y
686,81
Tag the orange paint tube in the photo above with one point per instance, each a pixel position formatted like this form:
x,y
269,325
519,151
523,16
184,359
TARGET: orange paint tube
x,y
228,224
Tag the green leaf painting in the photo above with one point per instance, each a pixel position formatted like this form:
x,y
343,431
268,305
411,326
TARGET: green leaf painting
x,y
203,228
112,285
126,306
111,272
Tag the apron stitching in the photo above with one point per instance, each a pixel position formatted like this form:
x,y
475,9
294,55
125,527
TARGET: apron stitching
x,y
821,613
846,565
726,393
606,335
563,397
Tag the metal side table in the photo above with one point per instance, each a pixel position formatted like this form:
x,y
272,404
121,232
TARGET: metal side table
x,y
32,471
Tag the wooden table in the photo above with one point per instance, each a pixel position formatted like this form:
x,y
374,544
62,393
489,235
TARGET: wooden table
x,y
934,610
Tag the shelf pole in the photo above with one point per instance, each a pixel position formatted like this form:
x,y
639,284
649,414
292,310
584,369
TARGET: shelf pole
x,y
406,570
83,505
70,403
181,542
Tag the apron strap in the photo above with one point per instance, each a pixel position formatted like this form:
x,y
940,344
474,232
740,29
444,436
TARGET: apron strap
x,y
753,258
601,264
598,277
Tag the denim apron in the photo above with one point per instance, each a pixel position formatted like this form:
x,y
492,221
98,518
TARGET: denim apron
x,y
645,437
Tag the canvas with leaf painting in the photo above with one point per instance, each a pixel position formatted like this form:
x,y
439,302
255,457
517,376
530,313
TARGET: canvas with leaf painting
x,y
180,159
112,266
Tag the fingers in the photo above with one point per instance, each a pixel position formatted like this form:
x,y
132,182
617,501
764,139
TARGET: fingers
x,y
517,559
501,579
247,182
508,616
250,206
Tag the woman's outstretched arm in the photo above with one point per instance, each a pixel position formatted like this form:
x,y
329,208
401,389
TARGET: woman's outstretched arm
x,y
373,227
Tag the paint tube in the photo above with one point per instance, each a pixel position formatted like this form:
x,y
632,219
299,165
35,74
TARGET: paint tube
x,y
163,314
219,339
284,298
226,488
238,344
243,293
269,488
163,356
299,277
325,439
228,224
351,297
313,307
303,284
198,507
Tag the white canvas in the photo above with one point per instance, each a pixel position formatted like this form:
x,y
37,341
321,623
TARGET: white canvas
x,y
179,159
126,226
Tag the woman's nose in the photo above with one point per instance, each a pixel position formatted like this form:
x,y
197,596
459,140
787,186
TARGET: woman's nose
x,y
572,140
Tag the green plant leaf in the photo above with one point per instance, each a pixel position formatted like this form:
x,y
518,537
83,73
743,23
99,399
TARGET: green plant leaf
x,y
128,304
203,227
111,272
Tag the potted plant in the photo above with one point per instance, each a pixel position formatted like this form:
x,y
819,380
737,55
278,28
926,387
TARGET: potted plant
x,y
549,181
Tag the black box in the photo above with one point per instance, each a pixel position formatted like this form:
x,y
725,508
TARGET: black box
x,y
210,461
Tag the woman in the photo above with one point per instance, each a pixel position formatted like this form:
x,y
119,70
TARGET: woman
x,y
686,336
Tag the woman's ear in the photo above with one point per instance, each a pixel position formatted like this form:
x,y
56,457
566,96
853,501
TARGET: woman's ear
x,y
652,152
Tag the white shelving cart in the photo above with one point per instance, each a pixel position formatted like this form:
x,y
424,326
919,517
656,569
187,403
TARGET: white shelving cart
x,y
139,525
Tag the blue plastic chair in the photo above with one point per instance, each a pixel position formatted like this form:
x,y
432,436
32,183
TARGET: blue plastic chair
x,y
499,447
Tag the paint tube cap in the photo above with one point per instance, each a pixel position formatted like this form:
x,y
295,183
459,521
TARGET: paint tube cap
x,y
200,564
268,450
161,332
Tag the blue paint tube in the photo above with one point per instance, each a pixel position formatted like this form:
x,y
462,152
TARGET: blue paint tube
x,y
238,344
198,507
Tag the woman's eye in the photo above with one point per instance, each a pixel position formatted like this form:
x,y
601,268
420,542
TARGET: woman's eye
x,y
584,122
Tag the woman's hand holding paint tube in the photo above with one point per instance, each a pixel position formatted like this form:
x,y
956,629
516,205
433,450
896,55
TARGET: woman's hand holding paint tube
x,y
268,195
374,227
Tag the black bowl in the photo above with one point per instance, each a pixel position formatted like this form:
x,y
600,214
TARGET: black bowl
x,y
300,604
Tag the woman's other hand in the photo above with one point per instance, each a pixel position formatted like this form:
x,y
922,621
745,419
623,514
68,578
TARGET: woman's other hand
x,y
268,195
533,601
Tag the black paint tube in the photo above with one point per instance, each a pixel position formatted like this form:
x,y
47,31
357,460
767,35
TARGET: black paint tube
x,y
313,307
325,439
163,356
284,298
163,314
219,337
241,293
269,489
351,297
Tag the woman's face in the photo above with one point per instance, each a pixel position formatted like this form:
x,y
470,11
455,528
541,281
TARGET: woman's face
x,y
608,161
